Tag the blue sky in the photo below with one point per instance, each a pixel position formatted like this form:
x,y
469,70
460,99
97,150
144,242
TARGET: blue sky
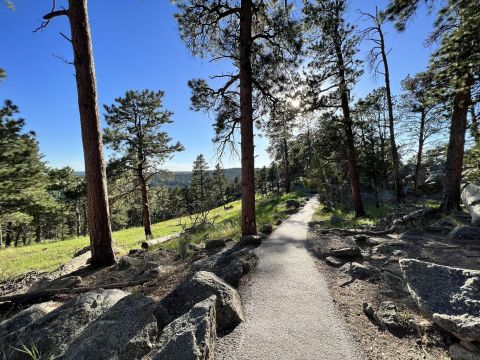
x,y
136,46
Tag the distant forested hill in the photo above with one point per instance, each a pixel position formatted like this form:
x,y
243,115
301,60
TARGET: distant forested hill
x,y
182,178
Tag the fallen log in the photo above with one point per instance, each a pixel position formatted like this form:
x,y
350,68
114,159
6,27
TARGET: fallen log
x,y
149,243
417,214
32,297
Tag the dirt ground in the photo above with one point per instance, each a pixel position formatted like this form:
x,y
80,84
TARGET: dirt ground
x,y
383,253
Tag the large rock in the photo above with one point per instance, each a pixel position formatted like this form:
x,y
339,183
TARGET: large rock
x,y
347,252
198,287
54,332
471,200
126,331
26,317
191,336
363,271
450,295
230,264
255,240
216,244
333,261
465,233
292,203
60,283
458,352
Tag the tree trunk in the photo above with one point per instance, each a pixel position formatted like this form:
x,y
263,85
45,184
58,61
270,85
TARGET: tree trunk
x,y
286,164
147,225
418,165
249,226
1,236
475,128
77,220
391,124
455,152
95,176
85,218
38,231
347,120
8,237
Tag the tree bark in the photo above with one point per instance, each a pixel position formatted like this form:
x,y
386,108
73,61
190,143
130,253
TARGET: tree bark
x,y
147,225
8,237
286,164
77,220
391,124
38,232
421,140
246,121
97,196
455,152
347,120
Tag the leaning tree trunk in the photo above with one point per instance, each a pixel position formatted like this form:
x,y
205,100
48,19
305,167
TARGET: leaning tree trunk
x,y
95,176
391,123
347,120
455,152
286,170
418,165
246,121
147,225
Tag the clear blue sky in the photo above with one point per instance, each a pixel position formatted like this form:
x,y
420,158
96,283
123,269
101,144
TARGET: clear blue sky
x,y
136,46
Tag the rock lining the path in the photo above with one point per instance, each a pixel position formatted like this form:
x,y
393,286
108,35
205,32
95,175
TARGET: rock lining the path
x,y
196,288
192,336
471,199
450,295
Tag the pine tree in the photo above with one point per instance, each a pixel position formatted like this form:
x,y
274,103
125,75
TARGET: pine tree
x,y
95,175
423,118
134,131
279,130
23,180
378,57
219,185
261,40
261,180
456,74
333,72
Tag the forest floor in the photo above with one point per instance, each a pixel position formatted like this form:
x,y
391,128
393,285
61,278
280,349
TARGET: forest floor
x,y
350,294
48,256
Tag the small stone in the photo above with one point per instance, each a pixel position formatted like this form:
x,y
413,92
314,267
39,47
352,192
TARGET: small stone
x,y
335,220
278,222
255,240
266,229
333,261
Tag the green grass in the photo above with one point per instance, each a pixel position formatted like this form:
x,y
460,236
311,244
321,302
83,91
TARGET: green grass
x,y
373,215
50,255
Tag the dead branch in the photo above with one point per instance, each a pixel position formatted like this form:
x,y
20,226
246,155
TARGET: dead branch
x,y
417,214
30,298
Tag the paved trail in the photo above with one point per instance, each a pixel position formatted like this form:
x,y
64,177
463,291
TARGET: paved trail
x,y
289,312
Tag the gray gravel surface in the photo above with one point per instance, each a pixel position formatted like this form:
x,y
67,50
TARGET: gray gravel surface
x,y
289,311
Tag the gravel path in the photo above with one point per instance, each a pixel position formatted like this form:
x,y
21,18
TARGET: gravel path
x,y
289,312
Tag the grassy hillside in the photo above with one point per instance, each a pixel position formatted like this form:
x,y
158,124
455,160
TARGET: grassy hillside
x,y
50,255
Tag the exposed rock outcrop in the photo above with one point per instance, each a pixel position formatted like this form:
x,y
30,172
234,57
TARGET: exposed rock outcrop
x,y
26,317
471,200
196,288
126,331
192,336
450,295
465,233
230,264
53,333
